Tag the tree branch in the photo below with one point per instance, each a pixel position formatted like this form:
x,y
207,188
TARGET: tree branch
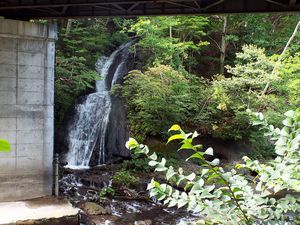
x,y
278,62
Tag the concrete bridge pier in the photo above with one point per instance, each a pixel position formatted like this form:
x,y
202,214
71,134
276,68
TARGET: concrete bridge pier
x,y
27,52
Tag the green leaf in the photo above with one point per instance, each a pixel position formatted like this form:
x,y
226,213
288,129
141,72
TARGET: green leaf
x,y
186,145
214,175
153,156
260,116
191,177
170,173
195,134
237,189
172,203
198,187
153,163
4,146
290,114
215,162
204,171
197,155
281,141
175,137
280,150
152,184
288,122
161,166
285,131
131,143
175,127
160,196
257,122
209,151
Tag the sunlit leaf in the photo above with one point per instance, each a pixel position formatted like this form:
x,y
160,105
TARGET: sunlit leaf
x,y
215,162
175,127
175,137
209,151
4,146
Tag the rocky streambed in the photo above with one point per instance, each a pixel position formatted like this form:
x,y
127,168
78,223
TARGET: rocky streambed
x,y
128,206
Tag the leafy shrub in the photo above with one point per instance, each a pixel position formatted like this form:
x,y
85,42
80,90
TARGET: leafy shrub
x,y
170,40
162,96
108,192
124,178
73,78
261,147
159,97
138,163
228,197
231,96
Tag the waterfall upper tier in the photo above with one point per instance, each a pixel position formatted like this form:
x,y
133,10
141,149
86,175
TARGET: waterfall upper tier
x,y
94,124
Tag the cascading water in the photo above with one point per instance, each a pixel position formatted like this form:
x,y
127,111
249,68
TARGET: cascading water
x,y
88,131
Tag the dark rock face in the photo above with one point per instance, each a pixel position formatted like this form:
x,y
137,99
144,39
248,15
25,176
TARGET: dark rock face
x,y
118,131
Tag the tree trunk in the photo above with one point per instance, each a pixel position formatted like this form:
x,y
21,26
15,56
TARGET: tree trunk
x,y
69,26
223,45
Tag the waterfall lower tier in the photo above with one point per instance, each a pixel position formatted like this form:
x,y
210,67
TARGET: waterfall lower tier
x,y
98,128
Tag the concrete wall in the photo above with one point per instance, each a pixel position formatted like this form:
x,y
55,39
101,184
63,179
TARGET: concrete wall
x,y
26,108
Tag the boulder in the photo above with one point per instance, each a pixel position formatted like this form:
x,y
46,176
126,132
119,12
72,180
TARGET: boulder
x,y
92,208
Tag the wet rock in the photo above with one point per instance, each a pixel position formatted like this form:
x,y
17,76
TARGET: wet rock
x,y
93,208
108,210
143,222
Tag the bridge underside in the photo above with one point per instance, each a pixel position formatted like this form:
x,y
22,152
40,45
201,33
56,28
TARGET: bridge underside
x,y
29,9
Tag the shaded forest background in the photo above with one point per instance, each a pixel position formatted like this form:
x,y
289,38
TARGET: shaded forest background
x,y
197,71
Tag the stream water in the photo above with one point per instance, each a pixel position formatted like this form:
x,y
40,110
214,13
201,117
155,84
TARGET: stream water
x,y
83,185
97,132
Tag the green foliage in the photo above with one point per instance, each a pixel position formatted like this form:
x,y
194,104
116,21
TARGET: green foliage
x,y
107,192
269,31
217,107
138,163
233,95
261,147
228,197
289,82
124,178
4,146
73,78
169,40
159,97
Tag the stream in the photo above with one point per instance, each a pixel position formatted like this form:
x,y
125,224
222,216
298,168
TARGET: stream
x,y
128,207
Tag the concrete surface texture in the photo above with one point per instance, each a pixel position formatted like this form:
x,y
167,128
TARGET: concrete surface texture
x,y
27,53
47,210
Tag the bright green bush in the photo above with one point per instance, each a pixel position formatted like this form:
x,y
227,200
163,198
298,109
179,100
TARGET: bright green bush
x,y
159,97
138,163
162,96
107,192
229,197
124,178
170,40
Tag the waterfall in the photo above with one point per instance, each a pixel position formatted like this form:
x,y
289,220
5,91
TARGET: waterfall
x,y
89,128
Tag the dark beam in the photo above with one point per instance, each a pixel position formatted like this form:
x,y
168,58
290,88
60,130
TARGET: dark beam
x,y
94,8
